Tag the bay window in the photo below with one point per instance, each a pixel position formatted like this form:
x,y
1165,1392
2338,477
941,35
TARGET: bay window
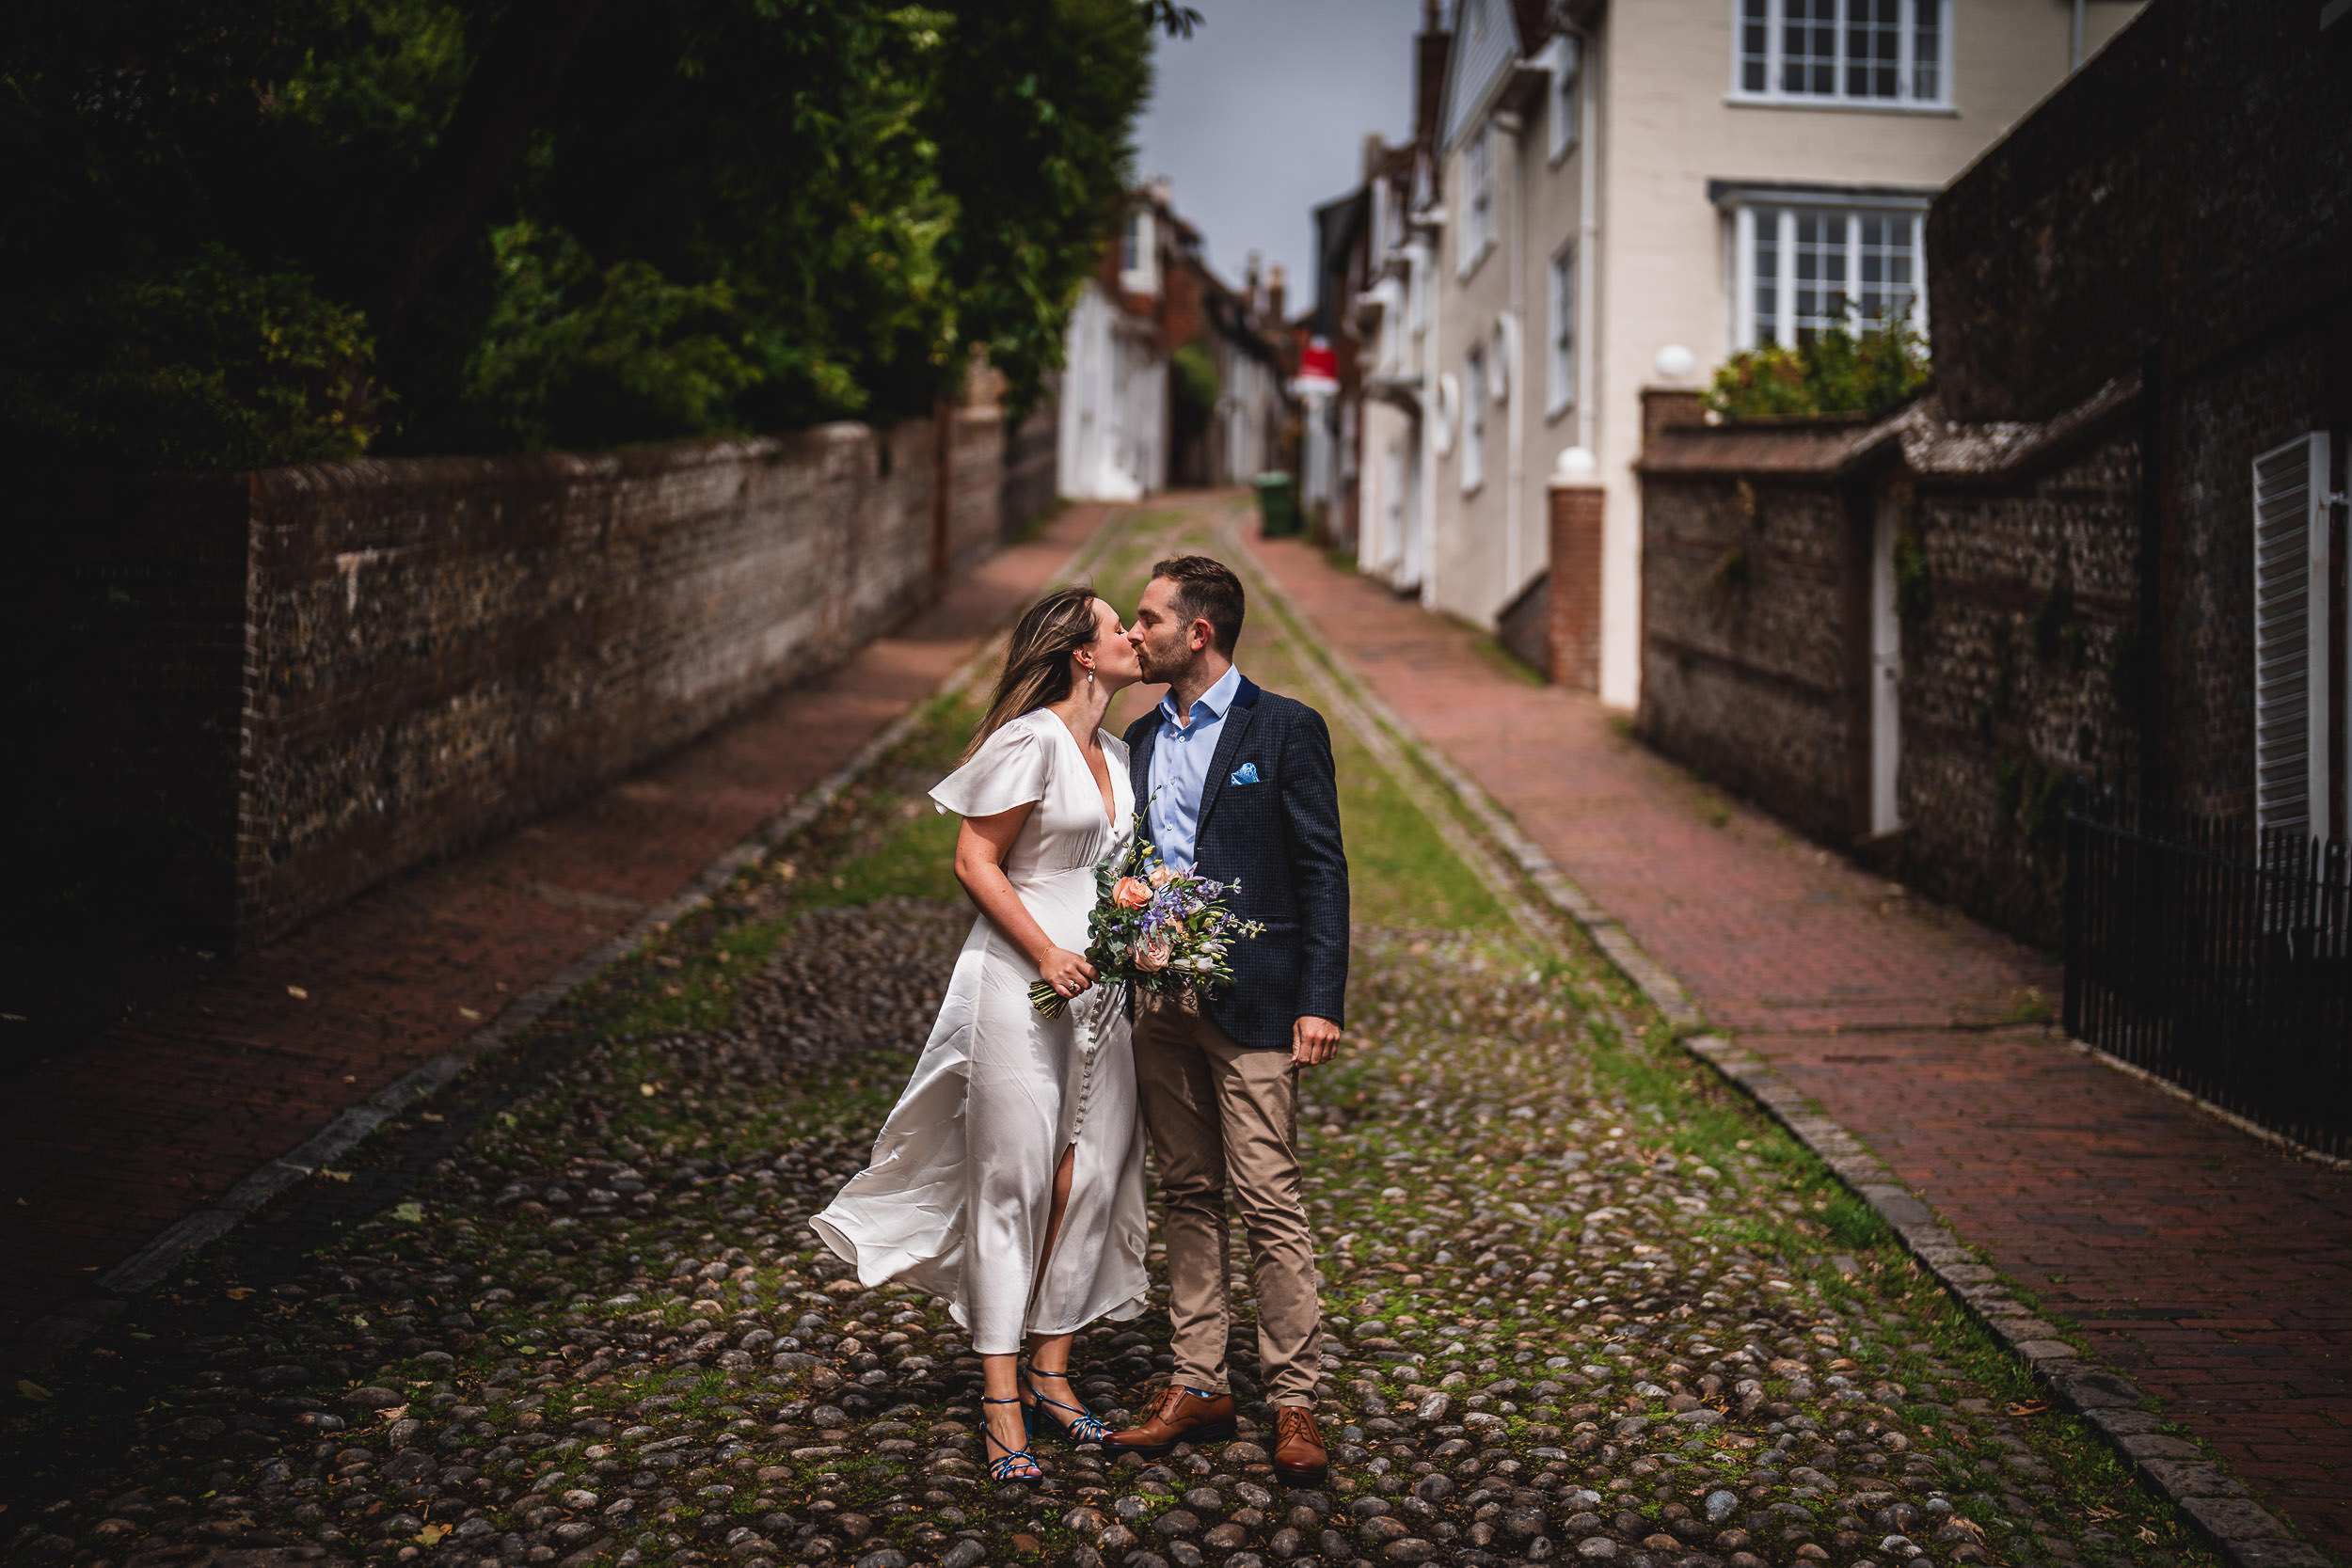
x,y
1801,269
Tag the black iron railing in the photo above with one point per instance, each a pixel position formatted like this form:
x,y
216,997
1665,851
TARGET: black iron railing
x,y
2217,957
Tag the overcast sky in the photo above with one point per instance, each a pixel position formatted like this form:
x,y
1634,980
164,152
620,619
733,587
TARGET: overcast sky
x,y
1261,116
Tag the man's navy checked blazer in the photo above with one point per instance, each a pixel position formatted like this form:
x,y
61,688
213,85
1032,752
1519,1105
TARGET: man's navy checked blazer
x,y
1280,838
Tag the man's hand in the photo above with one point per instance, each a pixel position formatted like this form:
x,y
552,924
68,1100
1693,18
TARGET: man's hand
x,y
1314,1041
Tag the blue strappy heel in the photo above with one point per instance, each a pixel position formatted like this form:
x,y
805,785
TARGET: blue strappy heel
x,y
1082,1427
1009,1467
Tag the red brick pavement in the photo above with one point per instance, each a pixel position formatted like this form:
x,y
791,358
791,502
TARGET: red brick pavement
x,y
2216,1271
102,1148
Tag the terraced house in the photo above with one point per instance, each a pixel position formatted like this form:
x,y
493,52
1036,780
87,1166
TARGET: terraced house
x,y
1617,194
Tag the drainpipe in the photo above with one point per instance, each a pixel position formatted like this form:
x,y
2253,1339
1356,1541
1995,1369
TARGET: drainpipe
x,y
2074,56
1587,238
1514,360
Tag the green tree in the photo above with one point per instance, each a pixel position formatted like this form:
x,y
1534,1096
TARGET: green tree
x,y
245,232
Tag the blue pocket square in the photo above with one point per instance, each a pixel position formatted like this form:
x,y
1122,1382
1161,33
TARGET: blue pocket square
x,y
1245,773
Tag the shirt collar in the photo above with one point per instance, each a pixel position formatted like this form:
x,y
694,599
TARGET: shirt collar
x,y
1212,705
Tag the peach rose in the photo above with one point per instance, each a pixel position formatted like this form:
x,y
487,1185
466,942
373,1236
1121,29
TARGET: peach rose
x,y
1131,893
1161,874
1152,956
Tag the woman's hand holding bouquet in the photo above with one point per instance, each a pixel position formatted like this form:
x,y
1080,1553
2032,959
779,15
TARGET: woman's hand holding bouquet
x,y
1156,929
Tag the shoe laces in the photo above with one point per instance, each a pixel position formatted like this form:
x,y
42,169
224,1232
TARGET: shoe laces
x,y
1295,1421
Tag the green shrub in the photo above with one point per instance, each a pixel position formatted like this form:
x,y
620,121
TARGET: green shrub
x,y
576,355
1838,370
207,365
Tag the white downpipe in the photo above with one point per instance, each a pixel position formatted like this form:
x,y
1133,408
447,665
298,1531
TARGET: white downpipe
x,y
1587,239
1514,358
1438,433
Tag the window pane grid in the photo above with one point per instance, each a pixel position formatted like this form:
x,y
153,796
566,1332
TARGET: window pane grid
x,y
1808,47
1873,48
1756,47
1884,255
1821,263
1926,50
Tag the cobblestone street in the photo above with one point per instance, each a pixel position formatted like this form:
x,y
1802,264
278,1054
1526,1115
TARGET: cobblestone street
x,y
1585,1301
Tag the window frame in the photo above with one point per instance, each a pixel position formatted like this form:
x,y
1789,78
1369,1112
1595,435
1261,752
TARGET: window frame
x,y
1563,103
1751,210
1775,35
1478,199
1474,419
1140,234
1560,325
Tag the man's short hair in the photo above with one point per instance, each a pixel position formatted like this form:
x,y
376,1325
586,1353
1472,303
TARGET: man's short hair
x,y
1206,590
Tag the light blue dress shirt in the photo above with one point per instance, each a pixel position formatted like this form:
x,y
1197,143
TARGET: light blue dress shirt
x,y
1181,755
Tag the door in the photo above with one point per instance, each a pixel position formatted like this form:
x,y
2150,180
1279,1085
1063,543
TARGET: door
x,y
1887,670
1388,554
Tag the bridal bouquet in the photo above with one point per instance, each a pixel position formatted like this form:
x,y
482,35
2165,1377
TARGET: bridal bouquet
x,y
1155,928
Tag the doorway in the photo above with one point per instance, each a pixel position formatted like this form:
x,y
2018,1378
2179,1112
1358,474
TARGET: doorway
x,y
1887,670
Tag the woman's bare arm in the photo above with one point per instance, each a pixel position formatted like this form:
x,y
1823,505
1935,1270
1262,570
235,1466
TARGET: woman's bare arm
x,y
981,845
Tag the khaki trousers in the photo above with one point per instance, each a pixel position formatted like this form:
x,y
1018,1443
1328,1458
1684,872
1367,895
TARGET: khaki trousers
x,y
1221,1114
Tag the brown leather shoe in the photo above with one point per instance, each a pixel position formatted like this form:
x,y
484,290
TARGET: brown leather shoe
x,y
1299,1456
1178,1416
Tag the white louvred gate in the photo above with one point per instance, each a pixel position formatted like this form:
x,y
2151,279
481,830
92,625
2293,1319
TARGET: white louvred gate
x,y
2291,621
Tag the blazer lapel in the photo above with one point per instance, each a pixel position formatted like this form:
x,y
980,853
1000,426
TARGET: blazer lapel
x,y
1139,762
1228,739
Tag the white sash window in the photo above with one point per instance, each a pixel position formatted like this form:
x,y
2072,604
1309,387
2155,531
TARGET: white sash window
x,y
1884,54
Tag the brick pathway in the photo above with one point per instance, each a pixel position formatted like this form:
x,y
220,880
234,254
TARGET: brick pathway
x,y
100,1148
2214,1270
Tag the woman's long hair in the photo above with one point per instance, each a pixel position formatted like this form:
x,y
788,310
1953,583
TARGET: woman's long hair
x,y
1036,665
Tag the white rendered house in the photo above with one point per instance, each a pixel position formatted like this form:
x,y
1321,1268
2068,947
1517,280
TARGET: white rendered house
x,y
1624,194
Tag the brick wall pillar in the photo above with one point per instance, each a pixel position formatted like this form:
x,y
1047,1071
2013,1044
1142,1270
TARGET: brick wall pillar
x,y
1573,638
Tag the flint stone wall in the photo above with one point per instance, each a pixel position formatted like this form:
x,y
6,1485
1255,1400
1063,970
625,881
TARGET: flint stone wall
x,y
290,685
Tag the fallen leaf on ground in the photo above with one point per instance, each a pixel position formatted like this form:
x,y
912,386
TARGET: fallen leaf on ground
x,y
394,1412
469,1012
409,1213
335,1175
30,1389
430,1535
297,994
2026,1407
238,1292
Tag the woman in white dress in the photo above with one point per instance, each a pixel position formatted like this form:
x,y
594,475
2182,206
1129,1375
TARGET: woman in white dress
x,y
1009,1179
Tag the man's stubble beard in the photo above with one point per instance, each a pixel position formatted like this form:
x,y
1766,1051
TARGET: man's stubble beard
x,y
1165,667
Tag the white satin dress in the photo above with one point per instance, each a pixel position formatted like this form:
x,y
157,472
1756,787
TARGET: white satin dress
x,y
962,1184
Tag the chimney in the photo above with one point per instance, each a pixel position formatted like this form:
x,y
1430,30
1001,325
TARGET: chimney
x,y
1274,292
1429,57
1161,191
1249,290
